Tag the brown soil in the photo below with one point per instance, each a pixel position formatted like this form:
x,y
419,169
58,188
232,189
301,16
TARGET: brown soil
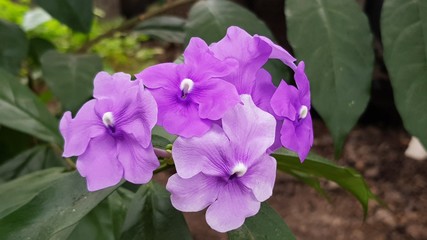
x,y
378,154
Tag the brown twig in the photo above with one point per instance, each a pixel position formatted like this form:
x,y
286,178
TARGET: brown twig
x,y
131,23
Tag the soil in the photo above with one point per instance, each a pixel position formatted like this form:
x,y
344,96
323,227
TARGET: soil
x,y
377,153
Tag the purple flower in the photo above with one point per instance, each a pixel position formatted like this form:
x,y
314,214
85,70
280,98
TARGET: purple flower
x,y
111,134
227,169
293,106
191,96
251,53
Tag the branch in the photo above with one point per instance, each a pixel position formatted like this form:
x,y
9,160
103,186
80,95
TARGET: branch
x,y
131,23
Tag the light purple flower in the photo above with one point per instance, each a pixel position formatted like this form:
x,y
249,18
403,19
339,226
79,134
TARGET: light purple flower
x,y
293,106
111,134
192,95
227,169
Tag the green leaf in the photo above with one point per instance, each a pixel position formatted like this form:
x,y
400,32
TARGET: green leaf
x,y
20,191
105,220
210,19
167,28
152,216
159,141
13,47
23,111
267,224
76,14
334,40
12,143
31,160
70,77
54,209
404,36
316,166
38,46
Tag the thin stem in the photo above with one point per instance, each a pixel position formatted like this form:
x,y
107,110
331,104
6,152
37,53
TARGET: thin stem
x,y
162,168
131,23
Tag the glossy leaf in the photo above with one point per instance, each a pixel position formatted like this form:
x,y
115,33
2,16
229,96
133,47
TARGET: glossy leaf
x,y
152,216
70,77
266,224
404,36
76,14
31,160
24,110
334,40
20,191
318,167
54,209
167,28
210,19
105,220
13,47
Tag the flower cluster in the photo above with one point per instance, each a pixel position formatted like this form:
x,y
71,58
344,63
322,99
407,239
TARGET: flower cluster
x,y
228,116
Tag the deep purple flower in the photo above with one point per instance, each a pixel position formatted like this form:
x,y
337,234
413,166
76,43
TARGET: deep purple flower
x,y
227,169
293,106
111,134
192,95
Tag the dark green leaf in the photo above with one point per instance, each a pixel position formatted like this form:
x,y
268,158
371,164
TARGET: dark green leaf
x,y
23,111
38,46
210,19
70,77
54,209
167,28
12,143
152,216
105,220
404,35
159,131
13,47
316,166
76,14
34,159
20,191
334,40
267,224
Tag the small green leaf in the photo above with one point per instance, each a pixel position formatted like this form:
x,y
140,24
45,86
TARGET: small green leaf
x,y
152,216
210,19
76,14
334,40
159,141
24,112
20,191
404,36
167,28
266,224
316,167
13,47
31,160
70,77
54,209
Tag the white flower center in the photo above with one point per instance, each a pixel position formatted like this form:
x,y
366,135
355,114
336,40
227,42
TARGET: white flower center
x,y
303,111
240,169
108,119
186,86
